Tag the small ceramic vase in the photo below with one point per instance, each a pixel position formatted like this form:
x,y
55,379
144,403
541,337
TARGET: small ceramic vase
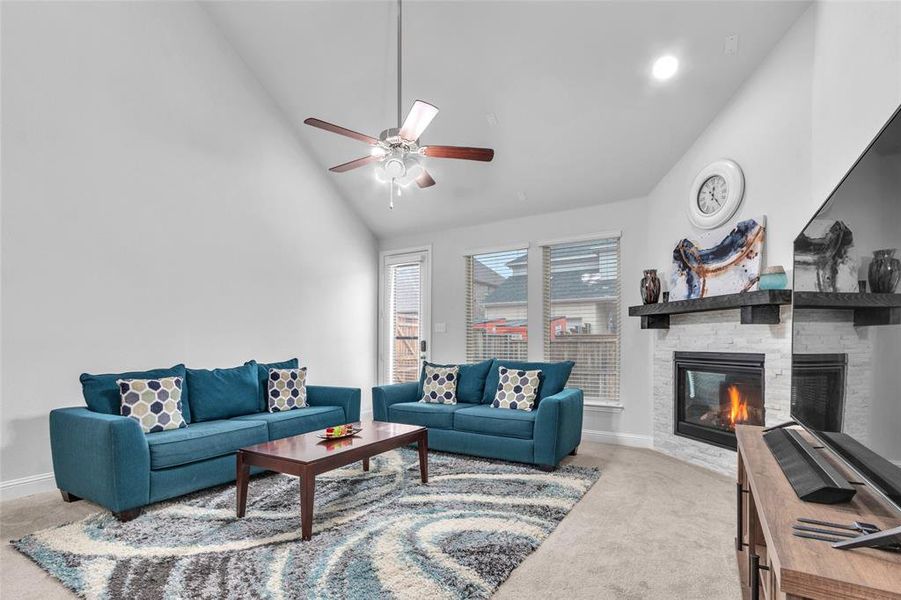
x,y
650,287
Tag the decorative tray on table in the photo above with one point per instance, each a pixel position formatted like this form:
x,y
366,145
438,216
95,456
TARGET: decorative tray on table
x,y
340,431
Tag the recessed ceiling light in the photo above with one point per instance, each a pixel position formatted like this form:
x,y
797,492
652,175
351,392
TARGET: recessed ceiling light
x,y
665,67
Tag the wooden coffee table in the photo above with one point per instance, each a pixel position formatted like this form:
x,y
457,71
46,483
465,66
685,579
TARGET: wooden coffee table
x,y
308,455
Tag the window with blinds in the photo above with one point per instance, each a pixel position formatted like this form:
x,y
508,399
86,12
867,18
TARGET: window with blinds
x,y
404,310
497,305
582,314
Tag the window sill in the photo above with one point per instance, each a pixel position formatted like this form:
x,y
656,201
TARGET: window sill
x,y
604,407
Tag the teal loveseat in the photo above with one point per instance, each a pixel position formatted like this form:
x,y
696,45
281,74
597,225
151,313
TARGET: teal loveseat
x,y
108,459
542,436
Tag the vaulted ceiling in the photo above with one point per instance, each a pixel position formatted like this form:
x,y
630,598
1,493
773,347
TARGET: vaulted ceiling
x,y
561,90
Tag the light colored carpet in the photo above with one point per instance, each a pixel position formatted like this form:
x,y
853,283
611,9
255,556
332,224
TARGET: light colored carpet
x,y
653,528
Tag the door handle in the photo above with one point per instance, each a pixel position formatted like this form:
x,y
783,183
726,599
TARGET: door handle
x,y
422,346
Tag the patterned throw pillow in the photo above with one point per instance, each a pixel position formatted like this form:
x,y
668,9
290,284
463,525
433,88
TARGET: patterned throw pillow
x,y
287,389
440,384
154,403
516,389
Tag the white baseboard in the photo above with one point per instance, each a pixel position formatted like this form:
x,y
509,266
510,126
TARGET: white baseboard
x,y
26,486
632,440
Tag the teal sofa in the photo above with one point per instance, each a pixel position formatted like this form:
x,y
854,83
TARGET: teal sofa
x,y
542,436
108,459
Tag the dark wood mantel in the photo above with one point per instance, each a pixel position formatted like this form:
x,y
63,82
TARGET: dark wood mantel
x,y
757,308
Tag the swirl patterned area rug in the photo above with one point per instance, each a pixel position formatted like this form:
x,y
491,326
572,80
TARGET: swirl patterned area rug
x,y
380,534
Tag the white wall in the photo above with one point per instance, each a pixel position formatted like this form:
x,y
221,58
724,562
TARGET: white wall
x,y
797,125
766,129
633,423
157,208
856,84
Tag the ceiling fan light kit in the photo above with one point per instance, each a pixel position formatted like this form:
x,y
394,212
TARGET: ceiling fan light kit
x,y
397,150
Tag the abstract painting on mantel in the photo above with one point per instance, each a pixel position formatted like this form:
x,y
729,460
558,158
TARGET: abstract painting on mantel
x,y
730,266
824,260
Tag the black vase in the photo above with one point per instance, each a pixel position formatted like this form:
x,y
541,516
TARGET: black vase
x,y
650,287
884,272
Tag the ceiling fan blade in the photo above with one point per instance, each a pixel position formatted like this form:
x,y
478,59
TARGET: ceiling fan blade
x,y
417,120
425,179
341,130
464,152
354,164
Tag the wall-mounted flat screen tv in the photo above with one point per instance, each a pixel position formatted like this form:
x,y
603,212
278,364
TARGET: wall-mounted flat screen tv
x,y
846,323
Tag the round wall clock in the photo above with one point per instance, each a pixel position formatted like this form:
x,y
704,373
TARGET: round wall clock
x,y
716,194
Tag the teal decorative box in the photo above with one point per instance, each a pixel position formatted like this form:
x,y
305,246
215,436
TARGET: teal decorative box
x,y
773,278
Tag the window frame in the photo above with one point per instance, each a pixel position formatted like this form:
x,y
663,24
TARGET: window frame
x,y
468,255
545,247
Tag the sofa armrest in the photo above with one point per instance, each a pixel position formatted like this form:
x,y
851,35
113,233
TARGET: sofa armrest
x,y
103,458
384,396
346,398
558,426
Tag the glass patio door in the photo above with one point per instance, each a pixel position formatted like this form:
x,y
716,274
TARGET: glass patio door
x,y
404,320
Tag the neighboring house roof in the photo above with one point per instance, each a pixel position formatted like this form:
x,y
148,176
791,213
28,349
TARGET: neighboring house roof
x,y
565,285
482,273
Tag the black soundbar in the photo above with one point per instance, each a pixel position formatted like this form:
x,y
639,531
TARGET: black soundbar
x,y
813,479
878,470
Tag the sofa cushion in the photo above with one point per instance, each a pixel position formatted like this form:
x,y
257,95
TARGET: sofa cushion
x,y
440,416
263,375
440,384
200,441
297,421
552,380
470,383
495,421
154,403
287,389
101,392
516,390
223,393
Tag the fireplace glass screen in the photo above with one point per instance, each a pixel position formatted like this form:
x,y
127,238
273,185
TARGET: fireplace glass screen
x,y
715,392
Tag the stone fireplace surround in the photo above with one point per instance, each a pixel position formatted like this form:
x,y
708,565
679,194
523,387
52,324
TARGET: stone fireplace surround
x,y
821,331
719,331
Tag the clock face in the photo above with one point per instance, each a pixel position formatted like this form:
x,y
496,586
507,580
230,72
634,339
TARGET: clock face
x,y
712,195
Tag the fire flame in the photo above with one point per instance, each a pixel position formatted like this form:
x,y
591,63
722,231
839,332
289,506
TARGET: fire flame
x,y
738,408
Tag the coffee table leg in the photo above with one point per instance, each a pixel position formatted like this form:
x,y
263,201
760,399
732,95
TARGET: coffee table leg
x,y
366,464
424,456
307,488
241,482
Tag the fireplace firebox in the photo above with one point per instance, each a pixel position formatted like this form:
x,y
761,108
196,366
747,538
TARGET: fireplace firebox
x,y
714,392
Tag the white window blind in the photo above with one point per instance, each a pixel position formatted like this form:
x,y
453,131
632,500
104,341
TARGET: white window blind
x,y
497,305
404,310
582,314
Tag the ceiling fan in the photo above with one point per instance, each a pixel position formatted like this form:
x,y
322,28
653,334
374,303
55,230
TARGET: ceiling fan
x,y
397,150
